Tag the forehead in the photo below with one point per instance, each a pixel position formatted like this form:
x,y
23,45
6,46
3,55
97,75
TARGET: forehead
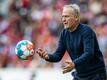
x,y
67,10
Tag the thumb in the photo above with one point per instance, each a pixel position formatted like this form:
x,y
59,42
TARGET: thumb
x,y
68,62
46,56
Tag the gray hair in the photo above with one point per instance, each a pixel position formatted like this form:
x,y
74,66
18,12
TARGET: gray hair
x,y
75,8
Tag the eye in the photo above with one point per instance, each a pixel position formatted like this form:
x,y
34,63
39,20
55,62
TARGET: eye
x,y
66,16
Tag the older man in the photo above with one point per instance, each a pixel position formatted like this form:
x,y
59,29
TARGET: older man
x,y
80,41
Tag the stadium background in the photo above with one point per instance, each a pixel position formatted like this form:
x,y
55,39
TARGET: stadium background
x,y
40,22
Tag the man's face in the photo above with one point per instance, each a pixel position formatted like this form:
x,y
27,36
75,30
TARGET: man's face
x,y
68,18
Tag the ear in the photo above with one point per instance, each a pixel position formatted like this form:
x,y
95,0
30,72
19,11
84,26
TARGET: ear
x,y
76,18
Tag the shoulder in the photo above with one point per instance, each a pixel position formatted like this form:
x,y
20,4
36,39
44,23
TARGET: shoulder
x,y
86,28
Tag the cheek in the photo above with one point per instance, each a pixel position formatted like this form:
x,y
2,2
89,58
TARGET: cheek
x,y
72,21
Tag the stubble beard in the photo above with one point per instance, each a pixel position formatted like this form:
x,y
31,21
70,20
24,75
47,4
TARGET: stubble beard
x,y
66,27
72,27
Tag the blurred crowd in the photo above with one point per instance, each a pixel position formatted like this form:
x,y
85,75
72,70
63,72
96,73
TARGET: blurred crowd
x,y
40,22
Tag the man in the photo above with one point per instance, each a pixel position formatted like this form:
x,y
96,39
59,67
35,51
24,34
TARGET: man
x,y
81,43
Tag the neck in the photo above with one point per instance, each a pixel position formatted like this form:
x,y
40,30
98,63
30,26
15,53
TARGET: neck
x,y
74,27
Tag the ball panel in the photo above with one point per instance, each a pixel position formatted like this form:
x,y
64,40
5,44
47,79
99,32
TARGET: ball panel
x,y
23,47
30,47
24,42
32,52
18,46
26,52
19,52
23,57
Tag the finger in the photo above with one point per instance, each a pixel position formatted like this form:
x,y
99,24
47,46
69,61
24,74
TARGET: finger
x,y
43,54
39,53
46,56
66,67
67,62
65,71
40,49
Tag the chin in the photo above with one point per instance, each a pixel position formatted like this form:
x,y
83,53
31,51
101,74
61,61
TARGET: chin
x,y
66,27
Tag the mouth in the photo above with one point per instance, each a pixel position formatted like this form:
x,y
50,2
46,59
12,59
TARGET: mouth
x,y
65,23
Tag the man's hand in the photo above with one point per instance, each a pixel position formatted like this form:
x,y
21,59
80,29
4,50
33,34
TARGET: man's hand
x,y
42,53
68,66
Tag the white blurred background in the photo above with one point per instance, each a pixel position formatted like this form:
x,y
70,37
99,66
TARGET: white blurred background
x,y
40,22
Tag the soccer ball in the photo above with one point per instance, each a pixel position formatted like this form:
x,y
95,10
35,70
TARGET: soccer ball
x,y
24,49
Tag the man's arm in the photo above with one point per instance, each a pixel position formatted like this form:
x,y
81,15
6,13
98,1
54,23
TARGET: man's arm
x,y
88,44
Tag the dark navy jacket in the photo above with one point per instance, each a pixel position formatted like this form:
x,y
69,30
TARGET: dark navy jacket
x,y
83,48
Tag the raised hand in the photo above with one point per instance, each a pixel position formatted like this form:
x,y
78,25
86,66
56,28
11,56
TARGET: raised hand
x,y
43,54
68,66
